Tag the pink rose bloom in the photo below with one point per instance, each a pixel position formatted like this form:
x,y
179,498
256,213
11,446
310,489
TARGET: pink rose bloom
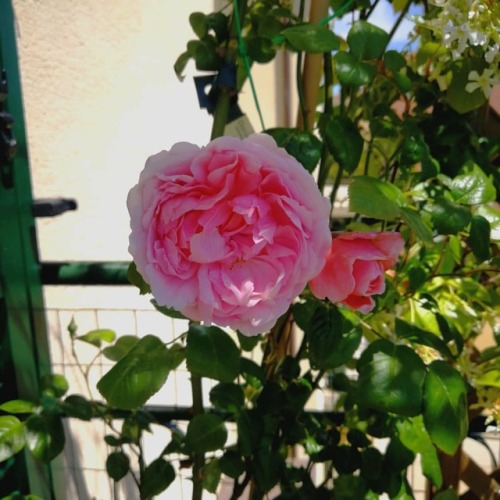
x,y
355,267
229,233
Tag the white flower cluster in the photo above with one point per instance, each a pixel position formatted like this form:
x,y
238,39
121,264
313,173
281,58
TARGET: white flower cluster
x,y
465,25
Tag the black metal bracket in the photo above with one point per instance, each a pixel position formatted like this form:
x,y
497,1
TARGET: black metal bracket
x,y
51,207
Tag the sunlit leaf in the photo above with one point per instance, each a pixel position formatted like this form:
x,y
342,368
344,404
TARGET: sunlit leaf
x,y
18,406
473,187
97,337
139,374
374,198
11,436
414,436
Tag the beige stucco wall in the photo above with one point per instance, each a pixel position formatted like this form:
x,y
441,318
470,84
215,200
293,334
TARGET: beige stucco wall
x,y
100,96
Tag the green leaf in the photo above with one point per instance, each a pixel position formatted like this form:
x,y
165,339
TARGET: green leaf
x,y
323,335
304,146
96,337
415,222
394,61
77,407
218,23
397,456
311,37
44,436
198,22
227,396
479,237
332,340
458,98
349,486
121,347
268,466
54,385
179,67
473,188
344,142
490,378
371,463
212,353
206,432
18,406
448,217
414,436
374,198
231,464
11,436
448,494
157,477
139,374
205,54
367,41
353,72
250,427
211,475
136,279
391,378
260,49
117,465
445,406
413,333
248,343
167,311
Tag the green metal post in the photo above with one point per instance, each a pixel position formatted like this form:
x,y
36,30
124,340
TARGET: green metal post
x,y
24,353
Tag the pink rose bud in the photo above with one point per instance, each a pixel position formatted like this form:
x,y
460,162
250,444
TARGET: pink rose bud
x,y
229,233
355,267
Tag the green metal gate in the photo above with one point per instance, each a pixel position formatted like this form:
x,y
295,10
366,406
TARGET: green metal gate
x,y
24,354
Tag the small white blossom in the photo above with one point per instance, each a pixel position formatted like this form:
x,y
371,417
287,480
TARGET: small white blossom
x,y
491,53
484,81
